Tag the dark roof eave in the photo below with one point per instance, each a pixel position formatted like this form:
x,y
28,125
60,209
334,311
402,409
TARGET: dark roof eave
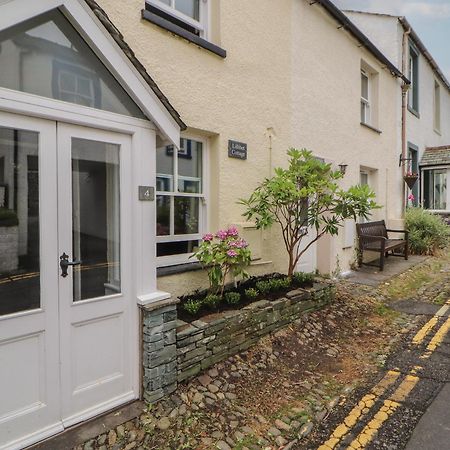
x,y
347,24
420,45
119,39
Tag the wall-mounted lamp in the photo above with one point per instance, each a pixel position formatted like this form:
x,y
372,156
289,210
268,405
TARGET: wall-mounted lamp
x,y
343,168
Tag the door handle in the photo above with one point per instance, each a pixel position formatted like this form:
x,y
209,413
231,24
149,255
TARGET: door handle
x,y
65,263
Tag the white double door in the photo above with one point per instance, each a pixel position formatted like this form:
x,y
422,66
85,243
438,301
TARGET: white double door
x,y
68,347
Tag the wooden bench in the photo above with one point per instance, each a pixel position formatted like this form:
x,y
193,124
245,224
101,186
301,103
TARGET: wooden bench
x,y
373,236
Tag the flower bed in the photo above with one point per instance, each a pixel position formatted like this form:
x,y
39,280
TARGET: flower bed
x,y
269,287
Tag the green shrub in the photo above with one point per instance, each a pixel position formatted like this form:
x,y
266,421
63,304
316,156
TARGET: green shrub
x,y
302,278
232,298
212,301
263,286
427,232
192,306
8,218
251,293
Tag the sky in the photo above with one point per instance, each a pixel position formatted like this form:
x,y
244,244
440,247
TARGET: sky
x,y
429,18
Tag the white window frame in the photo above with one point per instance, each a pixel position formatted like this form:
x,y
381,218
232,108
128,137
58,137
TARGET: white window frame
x,y
366,101
184,258
201,25
422,187
75,93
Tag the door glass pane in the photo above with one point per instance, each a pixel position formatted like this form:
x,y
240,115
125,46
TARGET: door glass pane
x,y
46,56
162,215
96,218
19,221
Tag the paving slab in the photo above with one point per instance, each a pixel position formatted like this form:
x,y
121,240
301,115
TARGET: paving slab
x,y
433,430
372,276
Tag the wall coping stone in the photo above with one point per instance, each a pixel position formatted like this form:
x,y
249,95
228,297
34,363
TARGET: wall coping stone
x,y
160,304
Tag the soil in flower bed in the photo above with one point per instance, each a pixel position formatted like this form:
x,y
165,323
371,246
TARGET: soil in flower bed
x,y
242,286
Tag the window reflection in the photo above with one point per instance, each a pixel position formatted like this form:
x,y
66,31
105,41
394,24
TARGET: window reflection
x,y
19,221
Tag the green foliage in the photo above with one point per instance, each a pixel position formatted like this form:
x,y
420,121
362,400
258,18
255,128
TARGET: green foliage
x,y
306,196
192,306
8,218
251,293
232,298
263,286
427,232
212,301
302,278
279,284
222,254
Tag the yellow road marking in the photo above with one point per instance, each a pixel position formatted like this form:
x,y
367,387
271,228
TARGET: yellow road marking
x,y
423,332
388,408
360,410
438,338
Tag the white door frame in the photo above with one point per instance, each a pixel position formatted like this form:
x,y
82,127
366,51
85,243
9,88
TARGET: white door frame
x,y
142,223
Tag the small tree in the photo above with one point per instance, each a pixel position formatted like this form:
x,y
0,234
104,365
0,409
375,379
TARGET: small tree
x,y
303,198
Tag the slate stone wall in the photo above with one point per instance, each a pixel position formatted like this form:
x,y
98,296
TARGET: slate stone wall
x,y
175,351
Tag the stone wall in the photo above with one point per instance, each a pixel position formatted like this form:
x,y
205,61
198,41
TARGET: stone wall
x,y
175,351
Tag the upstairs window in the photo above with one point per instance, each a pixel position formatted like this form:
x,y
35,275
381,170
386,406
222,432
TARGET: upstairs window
x,y
413,96
189,14
365,97
437,107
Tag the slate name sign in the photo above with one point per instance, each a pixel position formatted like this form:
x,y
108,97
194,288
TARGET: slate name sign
x,y
237,150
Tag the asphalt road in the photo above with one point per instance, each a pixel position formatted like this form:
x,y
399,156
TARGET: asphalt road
x,y
408,407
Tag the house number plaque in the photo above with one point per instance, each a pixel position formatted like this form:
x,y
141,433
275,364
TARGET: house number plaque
x,y
146,193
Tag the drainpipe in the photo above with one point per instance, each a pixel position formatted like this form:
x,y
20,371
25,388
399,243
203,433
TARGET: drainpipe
x,y
405,88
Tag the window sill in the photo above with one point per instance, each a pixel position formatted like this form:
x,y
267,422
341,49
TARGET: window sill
x,y
413,112
370,127
175,29
179,268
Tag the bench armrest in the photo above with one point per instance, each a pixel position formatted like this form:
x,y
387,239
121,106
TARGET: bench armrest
x,y
397,231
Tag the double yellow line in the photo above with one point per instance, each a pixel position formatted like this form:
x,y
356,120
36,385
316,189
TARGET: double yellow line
x,y
389,406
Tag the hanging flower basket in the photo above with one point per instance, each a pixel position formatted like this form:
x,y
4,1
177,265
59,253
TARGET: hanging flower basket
x,y
410,179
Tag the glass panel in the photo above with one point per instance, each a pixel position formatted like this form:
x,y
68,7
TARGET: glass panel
x,y
440,189
164,169
364,86
47,57
186,214
190,166
19,221
176,248
163,215
189,7
96,218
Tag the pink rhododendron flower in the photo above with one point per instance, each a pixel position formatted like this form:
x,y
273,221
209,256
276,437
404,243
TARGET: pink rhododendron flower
x,y
222,234
208,237
232,231
242,243
231,253
411,197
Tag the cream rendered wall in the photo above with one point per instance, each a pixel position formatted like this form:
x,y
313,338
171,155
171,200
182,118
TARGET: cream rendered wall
x,y
290,78
326,92
244,97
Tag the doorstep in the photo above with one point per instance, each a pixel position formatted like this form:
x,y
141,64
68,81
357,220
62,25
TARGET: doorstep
x,y
85,431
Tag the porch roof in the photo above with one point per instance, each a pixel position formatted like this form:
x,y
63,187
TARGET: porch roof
x,y
118,37
436,156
